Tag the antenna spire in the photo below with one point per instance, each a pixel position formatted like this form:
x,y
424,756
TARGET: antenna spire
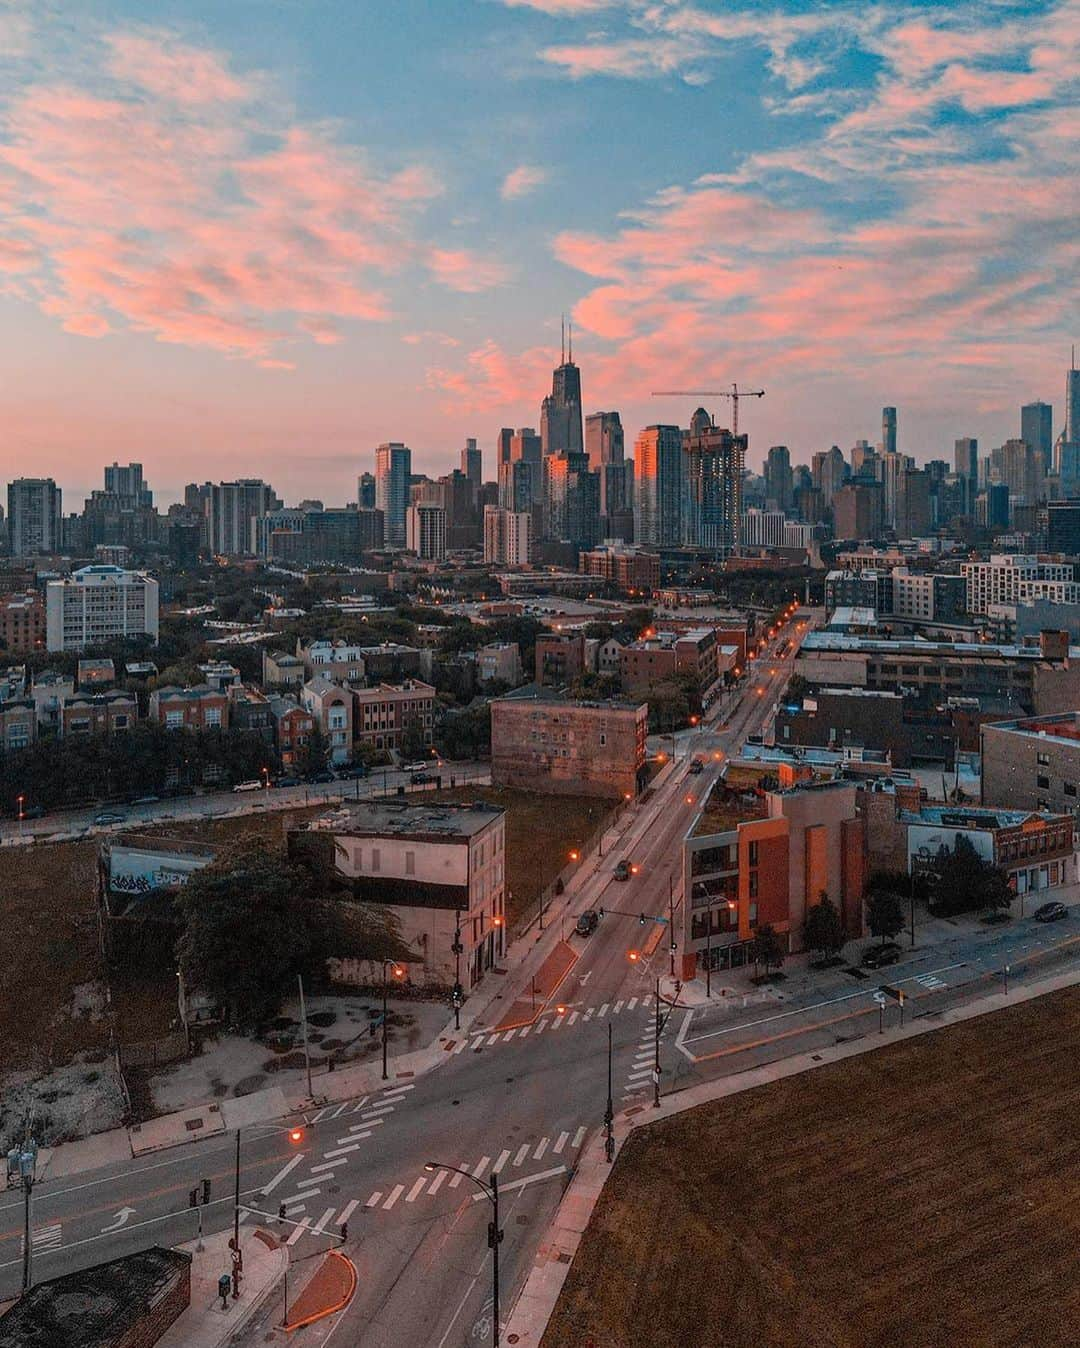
x,y
570,329
562,339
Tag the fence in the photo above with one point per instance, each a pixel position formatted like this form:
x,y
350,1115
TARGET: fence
x,y
154,1052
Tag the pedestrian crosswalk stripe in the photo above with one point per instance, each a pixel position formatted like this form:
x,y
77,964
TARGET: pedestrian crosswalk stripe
x,y
398,1092
460,1048
436,1182
509,1035
618,1007
504,1156
456,1177
481,1165
525,1030
579,1137
541,1026
347,1211
325,1165
373,1201
493,1040
588,1014
320,1225
631,1004
603,1008
563,1138
541,1148
298,1231
394,1195
360,1104
635,1076
416,1190
523,1151
573,1017
556,1022
340,1110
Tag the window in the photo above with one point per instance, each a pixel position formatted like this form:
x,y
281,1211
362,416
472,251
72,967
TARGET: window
x,y
753,854
1069,788
1043,783
375,859
753,884
174,720
1043,760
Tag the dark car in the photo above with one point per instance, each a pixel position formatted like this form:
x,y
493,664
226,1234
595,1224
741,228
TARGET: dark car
x,y
1050,912
422,778
697,766
877,956
34,812
324,776
288,781
622,871
352,772
587,923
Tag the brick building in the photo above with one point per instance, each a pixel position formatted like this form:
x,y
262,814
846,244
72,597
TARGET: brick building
x,y
18,723
840,718
542,740
559,659
383,713
22,623
197,708
1032,764
331,707
98,713
665,655
632,570
293,725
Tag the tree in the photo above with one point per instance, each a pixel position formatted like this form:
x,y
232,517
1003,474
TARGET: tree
x,y
246,931
884,914
767,948
413,744
824,929
466,733
964,882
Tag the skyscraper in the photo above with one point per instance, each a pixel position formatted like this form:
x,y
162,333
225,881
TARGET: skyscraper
x,y
425,531
365,491
393,469
34,516
604,440
571,500
472,464
1067,449
1037,428
888,430
502,445
713,461
232,514
658,486
127,482
778,485
561,429
966,458
525,447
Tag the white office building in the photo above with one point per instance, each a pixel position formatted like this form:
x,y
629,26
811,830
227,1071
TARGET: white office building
x,y
1014,578
425,531
99,604
507,537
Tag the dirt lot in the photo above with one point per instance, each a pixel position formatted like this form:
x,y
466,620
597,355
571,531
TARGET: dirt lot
x,y
922,1195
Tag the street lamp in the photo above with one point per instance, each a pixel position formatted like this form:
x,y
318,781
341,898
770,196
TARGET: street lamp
x,y
399,972
609,1114
20,801
457,948
656,1056
495,1235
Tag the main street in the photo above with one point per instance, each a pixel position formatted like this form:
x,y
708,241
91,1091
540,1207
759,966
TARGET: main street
x,y
518,1102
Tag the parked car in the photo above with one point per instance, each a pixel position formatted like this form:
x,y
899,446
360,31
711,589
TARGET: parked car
x,y
422,778
622,870
1050,912
324,776
587,923
288,781
697,766
248,786
109,817
351,772
877,956
34,812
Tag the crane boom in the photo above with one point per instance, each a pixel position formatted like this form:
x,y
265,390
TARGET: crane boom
x,y
734,393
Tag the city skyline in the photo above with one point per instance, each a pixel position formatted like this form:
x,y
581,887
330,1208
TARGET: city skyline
x,y
313,267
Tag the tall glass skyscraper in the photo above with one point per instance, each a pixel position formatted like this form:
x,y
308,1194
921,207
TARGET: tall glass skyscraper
x,y
393,470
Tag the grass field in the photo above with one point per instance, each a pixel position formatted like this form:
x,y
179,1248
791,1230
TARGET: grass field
x,y
922,1195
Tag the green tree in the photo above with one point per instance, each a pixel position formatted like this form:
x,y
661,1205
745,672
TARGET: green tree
x,y
767,949
466,733
413,744
824,929
884,914
245,931
965,883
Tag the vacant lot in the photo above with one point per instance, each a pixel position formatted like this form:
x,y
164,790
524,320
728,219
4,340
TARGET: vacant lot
x,y
922,1195
541,832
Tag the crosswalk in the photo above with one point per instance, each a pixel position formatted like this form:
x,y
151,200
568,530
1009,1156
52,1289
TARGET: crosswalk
x,y
639,1080
550,1020
44,1238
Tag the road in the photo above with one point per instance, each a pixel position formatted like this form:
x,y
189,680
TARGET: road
x,y
213,805
518,1102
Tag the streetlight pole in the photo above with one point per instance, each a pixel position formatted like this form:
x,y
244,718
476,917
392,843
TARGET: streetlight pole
x,y
303,1023
384,1011
656,1059
671,923
236,1196
913,910
495,1234
609,1114
708,952
20,800
457,972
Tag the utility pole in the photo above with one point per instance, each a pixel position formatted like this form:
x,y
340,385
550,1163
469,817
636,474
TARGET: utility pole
x,y
609,1114
708,952
656,1059
236,1197
496,1236
457,972
671,923
303,1022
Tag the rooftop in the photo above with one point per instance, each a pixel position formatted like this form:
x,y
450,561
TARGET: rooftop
x,y
952,816
388,817
535,692
842,641
95,1307
1062,726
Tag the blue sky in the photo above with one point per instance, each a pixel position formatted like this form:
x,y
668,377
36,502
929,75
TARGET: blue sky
x,y
262,237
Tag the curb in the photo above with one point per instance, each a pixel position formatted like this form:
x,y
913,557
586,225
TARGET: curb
x,y
315,1316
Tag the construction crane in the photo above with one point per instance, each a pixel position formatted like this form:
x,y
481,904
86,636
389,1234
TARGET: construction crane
x,y
734,393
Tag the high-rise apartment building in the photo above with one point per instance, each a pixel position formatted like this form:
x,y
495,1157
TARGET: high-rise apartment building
x,y
830,470
526,447
1009,579
393,469
857,511
1063,526
888,430
472,465
966,463
713,461
502,445
1020,468
561,430
232,512
425,531
604,440
778,481
658,486
1067,448
126,481
365,491
571,500
1037,428
507,537
98,604
35,517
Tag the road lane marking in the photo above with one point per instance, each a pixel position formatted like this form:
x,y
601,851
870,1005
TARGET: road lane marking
x,y
480,1165
541,1026
563,1138
340,1110
493,1040
509,1035
46,1237
631,1003
373,1201
317,1116
504,1156
375,1112
365,1122
635,1076
394,1195
557,1022
417,1189
579,1137
525,1181
523,1151
543,1146
283,1173
347,1211
437,1182
325,1165
292,1209
396,1092
603,1008
460,1048
587,1015
354,1145
456,1177
360,1104
320,1225
300,1228
618,1007
573,1017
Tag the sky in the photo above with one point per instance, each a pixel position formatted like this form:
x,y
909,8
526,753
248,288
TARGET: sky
x,y
258,239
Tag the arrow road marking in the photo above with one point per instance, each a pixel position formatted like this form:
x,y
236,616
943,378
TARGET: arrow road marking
x,y
121,1220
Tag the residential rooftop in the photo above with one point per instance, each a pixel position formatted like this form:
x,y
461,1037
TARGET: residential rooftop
x,y
975,816
1061,726
843,641
384,818
535,692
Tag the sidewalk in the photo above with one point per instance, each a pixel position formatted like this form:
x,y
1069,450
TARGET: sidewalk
x,y
204,1324
536,1302
542,987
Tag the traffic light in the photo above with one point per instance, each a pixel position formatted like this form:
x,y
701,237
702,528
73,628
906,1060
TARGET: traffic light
x,y
494,1236
281,1212
600,913
206,1191
193,1198
642,919
296,1136
344,1232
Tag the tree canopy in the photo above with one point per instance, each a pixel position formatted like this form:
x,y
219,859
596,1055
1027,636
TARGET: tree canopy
x,y
824,928
884,914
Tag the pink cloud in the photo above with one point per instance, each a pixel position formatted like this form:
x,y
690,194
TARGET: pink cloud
x,y
521,181
461,270
172,70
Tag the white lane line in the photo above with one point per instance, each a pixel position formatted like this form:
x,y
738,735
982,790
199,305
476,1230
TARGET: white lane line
x,y
603,1008
618,1007
326,1165
436,1183
508,1036
527,1180
373,1201
504,1156
354,1145
636,1076
579,1137
573,1016
417,1189
456,1178
360,1104
525,1030
393,1196
347,1211
523,1151
285,1171
563,1139
480,1165
376,1110
298,1231
46,1237
365,1122
556,1022
320,1225
631,1004
541,1148
398,1091
340,1110
493,1040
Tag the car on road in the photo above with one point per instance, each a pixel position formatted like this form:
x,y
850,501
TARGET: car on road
x,y
324,776
877,956
623,870
146,800
34,812
248,786
288,781
1050,912
587,923
351,772
422,778
109,817
697,766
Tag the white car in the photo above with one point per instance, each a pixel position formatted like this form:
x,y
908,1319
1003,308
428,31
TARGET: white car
x,y
248,786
